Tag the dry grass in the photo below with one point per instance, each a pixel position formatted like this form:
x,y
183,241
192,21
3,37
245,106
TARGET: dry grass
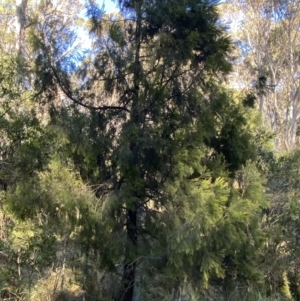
x,y
50,288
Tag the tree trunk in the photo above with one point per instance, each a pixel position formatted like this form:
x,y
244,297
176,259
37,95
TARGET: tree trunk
x,y
21,6
129,264
129,272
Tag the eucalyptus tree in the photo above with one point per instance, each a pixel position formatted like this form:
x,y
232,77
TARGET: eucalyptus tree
x,y
266,33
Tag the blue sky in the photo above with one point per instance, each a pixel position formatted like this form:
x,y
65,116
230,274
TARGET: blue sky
x,y
109,5
83,37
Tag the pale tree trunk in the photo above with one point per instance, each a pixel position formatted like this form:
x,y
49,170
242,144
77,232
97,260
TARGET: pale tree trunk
x,y
21,6
294,88
293,123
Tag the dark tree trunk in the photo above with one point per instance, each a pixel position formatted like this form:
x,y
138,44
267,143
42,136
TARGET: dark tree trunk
x,y
129,264
129,272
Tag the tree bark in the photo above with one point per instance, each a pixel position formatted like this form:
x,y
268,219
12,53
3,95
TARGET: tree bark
x,y
129,264
129,272
21,6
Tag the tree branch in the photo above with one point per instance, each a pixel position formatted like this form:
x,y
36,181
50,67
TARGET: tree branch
x,y
79,101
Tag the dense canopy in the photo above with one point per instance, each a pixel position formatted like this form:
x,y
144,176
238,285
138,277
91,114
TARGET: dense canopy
x,y
149,153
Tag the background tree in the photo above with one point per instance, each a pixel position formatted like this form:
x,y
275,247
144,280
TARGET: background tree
x,y
25,148
266,35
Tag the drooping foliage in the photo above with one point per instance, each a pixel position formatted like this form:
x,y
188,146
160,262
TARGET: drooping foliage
x,y
136,164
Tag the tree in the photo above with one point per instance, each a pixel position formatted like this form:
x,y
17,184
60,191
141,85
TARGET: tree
x,y
267,37
147,161
26,143
172,143
281,222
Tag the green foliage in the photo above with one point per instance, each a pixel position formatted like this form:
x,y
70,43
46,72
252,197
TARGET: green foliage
x,y
148,172
178,143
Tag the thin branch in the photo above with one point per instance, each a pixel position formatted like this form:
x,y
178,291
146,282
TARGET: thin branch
x,y
79,102
66,53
